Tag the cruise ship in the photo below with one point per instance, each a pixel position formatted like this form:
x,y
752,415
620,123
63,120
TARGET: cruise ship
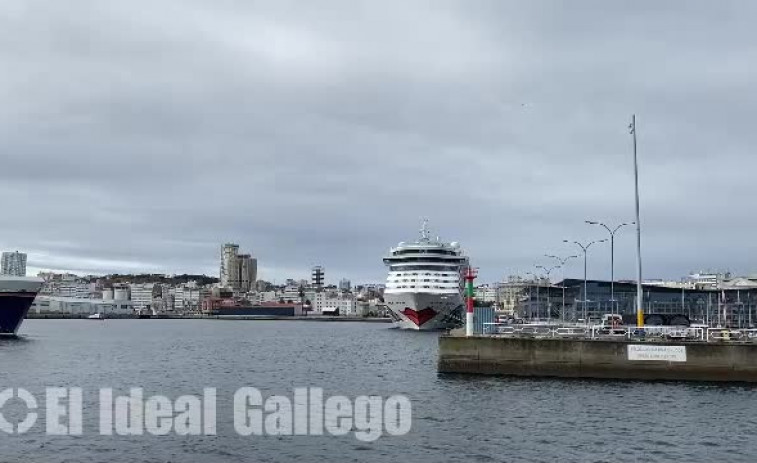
x,y
16,296
424,286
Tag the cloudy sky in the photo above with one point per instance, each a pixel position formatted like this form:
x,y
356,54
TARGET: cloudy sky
x,y
139,136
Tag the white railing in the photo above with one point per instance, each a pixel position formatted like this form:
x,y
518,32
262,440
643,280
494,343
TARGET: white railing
x,y
535,330
668,333
567,331
731,335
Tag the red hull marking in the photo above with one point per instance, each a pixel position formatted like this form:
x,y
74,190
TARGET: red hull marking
x,y
419,317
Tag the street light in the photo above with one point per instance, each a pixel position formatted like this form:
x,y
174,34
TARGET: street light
x,y
585,248
562,266
536,278
547,271
639,291
612,256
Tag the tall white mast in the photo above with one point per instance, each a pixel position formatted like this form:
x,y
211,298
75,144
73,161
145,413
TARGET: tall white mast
x,y
639,291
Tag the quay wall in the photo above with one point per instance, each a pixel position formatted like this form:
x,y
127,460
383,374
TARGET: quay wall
x,y
585,358
313,318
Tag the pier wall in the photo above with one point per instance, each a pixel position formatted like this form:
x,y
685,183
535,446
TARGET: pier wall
x,y
571,358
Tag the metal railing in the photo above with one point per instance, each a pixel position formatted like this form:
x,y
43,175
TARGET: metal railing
x,y
535,330
597,332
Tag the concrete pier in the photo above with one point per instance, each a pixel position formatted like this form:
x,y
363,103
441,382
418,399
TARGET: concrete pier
x,y
589,358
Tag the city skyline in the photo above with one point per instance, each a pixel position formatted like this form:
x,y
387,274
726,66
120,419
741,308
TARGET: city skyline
x,y
320,139
537,272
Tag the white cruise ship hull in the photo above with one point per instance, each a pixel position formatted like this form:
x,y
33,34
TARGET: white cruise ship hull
x,y
425,311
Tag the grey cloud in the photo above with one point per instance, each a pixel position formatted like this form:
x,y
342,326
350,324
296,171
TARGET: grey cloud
x,y
143,135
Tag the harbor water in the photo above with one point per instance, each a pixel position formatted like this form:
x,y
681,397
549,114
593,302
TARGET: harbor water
x,y
455,417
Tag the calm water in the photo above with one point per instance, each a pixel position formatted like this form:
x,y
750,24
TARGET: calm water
x,y
455,418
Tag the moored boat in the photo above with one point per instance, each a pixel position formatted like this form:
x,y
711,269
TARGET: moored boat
x,y
424,285
16,297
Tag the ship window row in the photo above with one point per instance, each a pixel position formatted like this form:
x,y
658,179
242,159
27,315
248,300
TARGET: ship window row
x,y
447,284
425,280
424,251
455,288
450,259
419,286
428,274
428,268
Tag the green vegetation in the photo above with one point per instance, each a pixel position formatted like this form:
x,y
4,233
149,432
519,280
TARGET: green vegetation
x,y
156,278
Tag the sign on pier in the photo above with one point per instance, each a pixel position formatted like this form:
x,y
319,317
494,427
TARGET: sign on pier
x,y
660,353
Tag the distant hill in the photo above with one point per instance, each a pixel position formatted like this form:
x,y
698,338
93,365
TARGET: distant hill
x,y
156,278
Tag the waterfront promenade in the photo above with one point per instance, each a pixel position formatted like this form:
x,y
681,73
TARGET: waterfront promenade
x,y
311,318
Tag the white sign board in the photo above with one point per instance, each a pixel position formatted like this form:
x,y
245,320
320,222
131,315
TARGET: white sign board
x,y
653,352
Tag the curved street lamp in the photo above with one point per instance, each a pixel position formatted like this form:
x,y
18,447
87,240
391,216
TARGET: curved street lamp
x,y
585,248
562,261
536,278
547,271
612,232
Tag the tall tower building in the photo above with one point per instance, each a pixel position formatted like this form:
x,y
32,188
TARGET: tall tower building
x,y
229,268
248,272
13,263
239,272
318,275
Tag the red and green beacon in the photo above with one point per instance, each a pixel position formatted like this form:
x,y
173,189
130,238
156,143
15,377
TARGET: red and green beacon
x,y
470,275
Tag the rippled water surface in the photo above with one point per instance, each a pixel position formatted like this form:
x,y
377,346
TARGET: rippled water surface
x,y
455,418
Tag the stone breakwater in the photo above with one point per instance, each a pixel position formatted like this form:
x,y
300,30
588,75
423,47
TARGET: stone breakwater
x,y
610,359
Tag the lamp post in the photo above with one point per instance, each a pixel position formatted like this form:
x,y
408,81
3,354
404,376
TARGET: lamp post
x,y
585,248
612,256
536,279
547,271
639,292
562,262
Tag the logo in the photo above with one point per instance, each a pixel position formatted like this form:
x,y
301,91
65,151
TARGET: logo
x,y
307,412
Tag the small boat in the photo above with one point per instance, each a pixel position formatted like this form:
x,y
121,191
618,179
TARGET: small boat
x,y
96,316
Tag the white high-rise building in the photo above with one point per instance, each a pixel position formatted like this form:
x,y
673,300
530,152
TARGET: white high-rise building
x,y
708,280
14,263
486,293
66,285
188,297
239,272
248,272
142,295
229,268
